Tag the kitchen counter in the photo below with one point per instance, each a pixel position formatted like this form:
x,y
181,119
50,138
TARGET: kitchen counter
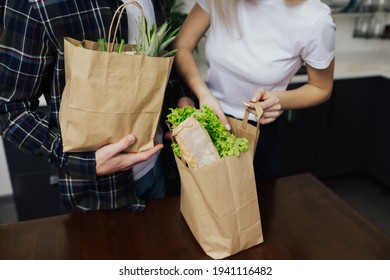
x,y
350,65
301,219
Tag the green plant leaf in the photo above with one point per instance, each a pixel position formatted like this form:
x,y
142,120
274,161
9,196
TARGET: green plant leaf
x,y
153,41
166,43
170,53
102,45
121,46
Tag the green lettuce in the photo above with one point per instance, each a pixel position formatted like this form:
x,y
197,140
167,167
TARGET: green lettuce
x,y
226,143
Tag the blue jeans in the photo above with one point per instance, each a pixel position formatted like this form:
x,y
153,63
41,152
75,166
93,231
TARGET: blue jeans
x,y
152,184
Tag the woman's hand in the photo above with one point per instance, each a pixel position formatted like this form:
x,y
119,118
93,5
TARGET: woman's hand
x,y
110,158
270,104
209,100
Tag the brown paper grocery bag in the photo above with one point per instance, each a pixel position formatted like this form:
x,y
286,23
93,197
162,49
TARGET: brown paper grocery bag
x,y
219,201
109,95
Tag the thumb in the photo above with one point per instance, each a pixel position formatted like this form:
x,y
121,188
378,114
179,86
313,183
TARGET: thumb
x,y
259,95
225,121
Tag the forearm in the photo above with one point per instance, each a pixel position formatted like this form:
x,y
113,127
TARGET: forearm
x,y
317,90
45,141
302,97
194,27
189,72
33,134
26,127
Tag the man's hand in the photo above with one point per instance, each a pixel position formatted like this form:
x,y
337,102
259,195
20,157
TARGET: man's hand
x,y
110,158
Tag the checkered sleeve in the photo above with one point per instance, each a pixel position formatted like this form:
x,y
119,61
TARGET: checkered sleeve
x,y
27,64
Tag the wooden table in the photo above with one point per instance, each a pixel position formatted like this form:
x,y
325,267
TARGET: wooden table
x,y
302,219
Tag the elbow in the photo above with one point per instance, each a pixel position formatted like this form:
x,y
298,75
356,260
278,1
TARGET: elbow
x,y
328,94
324,91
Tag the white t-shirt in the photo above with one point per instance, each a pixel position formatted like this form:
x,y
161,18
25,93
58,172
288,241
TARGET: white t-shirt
x,y
133,14
276,40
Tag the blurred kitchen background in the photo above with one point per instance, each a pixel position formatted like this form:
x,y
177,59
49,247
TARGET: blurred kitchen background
x,y
345,142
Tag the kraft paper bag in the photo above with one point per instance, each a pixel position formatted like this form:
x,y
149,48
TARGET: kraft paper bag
x,y
109,95
219,201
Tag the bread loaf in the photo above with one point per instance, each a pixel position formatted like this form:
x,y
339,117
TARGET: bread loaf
x,y
195,144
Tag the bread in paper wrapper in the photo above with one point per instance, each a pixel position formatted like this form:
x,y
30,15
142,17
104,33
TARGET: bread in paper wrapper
x,y
195,144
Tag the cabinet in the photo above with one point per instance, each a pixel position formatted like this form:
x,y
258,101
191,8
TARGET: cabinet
x,y
299,131
378,147
348,133
34,184
344,133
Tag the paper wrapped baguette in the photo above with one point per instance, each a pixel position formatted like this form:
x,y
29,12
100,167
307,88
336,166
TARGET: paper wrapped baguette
x,y
196,146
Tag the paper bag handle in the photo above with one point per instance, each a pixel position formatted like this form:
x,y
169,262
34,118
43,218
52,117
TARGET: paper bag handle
x,y
117,16
259,113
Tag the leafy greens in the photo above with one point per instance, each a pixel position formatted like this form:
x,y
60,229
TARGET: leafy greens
x,y
226,143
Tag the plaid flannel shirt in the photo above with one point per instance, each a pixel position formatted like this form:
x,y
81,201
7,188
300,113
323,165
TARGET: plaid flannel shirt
x,y
32,65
